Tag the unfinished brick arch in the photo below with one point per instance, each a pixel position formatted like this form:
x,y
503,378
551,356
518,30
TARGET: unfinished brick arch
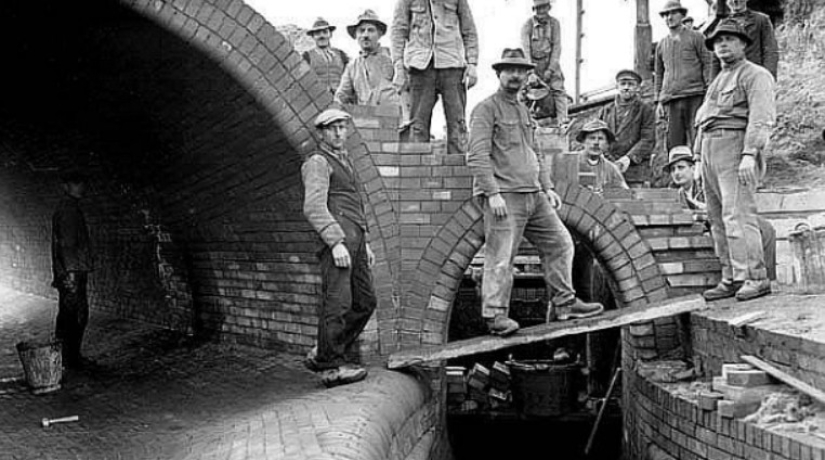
x,y
611,235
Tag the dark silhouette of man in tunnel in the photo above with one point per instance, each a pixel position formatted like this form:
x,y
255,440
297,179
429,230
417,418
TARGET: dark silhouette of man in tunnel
x,y
72,261
334,206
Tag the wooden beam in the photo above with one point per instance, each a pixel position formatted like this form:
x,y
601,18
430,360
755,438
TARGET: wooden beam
x,y
785,377
543,332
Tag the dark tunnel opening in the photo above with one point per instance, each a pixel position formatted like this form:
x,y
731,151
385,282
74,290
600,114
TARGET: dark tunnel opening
x,y
194,188
535,411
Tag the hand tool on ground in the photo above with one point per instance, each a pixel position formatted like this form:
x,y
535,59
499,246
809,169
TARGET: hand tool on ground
x,y
47,422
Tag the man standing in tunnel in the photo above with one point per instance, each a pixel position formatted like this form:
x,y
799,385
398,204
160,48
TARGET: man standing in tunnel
x,y
333,204
71,263
514,188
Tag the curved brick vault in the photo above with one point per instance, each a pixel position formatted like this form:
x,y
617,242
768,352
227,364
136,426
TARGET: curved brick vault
x,y
612,237
191,118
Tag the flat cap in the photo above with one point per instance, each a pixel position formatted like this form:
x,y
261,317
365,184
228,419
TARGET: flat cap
x,y
330,116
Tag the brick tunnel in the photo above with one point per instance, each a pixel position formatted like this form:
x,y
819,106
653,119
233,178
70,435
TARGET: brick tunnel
x,y
191,120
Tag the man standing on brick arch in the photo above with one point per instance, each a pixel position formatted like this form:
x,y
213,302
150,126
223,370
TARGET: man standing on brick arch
x,y
514,188
435,52
541,39
334,206
327,62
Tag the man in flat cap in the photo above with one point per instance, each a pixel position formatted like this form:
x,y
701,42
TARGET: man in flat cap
x,y
763,49
327,62
435,52
682,73
541,39
734,124
368,78
72,260
595,171
334,206
634,123
514,188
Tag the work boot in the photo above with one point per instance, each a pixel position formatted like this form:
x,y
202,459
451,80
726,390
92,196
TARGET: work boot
x,y
343,375
724,290
574,309
502,325
752,289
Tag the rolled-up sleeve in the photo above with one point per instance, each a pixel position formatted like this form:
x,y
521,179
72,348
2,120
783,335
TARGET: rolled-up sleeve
x,y
759,86
481,146
468,32
315,173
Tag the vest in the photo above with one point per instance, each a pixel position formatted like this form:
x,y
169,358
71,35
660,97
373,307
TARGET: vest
x,y
329,73
344,197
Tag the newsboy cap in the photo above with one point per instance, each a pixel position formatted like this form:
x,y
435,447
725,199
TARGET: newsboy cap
x,y
627,73
329,116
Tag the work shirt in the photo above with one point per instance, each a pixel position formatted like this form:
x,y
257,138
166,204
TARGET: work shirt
x,y
502,155
439,31
763,49
600,175
741,97
693,197
683,66
541,40
71,245
332,192
634,124
367,80
329,64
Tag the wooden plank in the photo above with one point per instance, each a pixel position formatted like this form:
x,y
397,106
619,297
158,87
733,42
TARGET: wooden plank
x,y
785,377
543,332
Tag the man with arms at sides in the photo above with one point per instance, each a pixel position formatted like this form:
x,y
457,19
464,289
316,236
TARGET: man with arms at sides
x,y
603,174
327,62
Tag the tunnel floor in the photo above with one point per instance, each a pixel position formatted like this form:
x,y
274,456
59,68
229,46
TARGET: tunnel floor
x,y
155,394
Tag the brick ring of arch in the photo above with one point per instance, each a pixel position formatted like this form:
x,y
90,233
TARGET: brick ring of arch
x,y
613,239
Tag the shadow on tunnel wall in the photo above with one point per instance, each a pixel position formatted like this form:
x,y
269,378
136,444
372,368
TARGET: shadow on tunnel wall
x,y
195,207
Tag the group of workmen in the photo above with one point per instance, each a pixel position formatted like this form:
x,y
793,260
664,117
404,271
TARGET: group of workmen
x,y
714,99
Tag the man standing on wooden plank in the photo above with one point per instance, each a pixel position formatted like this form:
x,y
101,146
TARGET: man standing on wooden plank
x,y
734,124
516,194
334,206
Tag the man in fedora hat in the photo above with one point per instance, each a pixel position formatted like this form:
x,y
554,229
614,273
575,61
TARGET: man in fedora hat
x,y
334,206
435,52
681,168
682,73
368,78
734,124
514,188
763,49
72,260
541,39
595,171
327,62
634,123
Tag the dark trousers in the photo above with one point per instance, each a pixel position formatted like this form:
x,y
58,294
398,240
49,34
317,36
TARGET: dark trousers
x,y
680,119
349,300
425,86
72,317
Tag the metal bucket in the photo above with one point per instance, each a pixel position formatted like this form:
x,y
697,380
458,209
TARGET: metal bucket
x,y
42,364
543,388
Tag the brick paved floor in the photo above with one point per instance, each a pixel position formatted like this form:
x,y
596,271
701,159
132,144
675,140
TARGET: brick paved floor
x,y
161,395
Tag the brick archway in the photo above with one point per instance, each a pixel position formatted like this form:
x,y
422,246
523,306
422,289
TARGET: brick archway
x,y
610,233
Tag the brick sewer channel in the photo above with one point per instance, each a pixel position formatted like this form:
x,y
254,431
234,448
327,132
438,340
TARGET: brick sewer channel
x,y
162,395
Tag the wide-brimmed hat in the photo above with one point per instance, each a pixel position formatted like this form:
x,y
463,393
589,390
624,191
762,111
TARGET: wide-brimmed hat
x,y
329,116
628,73
319,25
673,5
513,57
367,16
677,154
729,27
592,127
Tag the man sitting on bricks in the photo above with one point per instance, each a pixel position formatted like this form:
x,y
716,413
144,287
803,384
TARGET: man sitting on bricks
x,y
334,206
367,80
734,124
516,194
633,122
682,171
596,172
